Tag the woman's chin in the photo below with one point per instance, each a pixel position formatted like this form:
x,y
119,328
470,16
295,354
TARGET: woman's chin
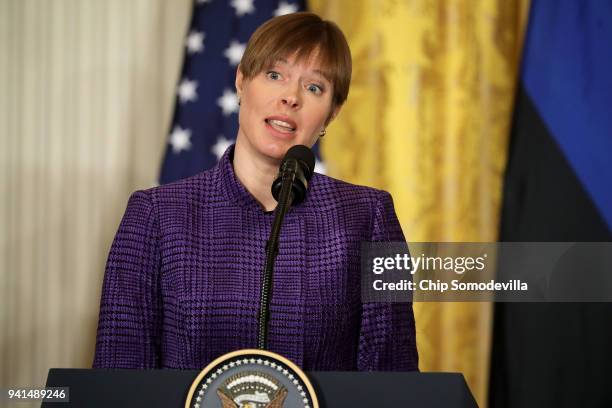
x,y
276,149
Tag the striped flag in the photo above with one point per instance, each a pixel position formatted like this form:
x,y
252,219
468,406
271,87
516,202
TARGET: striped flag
x,y
558,187
205,120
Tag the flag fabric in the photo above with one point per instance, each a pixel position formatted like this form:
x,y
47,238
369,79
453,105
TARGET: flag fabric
x,y
568,75
205,120
557,188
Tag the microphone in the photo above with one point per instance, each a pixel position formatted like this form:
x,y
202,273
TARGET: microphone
x,y
289,188
298,166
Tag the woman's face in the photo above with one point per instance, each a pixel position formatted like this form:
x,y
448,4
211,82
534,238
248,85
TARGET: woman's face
x,y
285,105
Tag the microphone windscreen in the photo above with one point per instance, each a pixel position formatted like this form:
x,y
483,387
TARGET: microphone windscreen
x,y
303,154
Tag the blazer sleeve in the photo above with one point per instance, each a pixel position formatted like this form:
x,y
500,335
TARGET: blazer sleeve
x,y
129,325
387,338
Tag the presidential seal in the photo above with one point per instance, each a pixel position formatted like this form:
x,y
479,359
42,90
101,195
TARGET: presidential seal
x,y
251,379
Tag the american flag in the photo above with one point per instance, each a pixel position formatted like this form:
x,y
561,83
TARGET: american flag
x,y
205,120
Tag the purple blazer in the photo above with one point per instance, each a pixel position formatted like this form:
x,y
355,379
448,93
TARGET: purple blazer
x,y
183,276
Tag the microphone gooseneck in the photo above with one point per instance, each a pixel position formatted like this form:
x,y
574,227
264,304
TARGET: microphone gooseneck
x,y
289,188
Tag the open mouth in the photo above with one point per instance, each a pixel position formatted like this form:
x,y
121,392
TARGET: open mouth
x,y
281,125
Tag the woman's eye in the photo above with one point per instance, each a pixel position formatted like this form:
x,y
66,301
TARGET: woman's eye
x,y
316,89
275,76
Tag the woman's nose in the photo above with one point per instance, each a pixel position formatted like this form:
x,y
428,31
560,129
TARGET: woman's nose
x,y
291,99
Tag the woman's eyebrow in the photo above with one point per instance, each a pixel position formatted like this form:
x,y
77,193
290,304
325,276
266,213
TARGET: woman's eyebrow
x,y
322,74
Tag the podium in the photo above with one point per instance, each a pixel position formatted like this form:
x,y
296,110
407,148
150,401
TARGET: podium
x,y
169,388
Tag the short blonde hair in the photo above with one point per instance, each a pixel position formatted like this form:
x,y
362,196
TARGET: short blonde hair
x,y
301,34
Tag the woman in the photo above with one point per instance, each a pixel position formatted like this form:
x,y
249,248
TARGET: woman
x,y
184,272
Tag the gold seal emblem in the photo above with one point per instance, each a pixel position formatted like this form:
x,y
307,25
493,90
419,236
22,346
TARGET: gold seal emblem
x,y
251,379
252,389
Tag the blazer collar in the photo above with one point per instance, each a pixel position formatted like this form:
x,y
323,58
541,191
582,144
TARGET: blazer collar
x,y
236,193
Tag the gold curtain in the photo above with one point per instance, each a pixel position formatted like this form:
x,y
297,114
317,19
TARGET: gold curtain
x,y
427,119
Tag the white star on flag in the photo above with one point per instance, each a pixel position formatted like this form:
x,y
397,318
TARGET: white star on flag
x,y
198,2
320,167
187,90
195,42
221,146
234,52
180,139
285,8
228,102
243,7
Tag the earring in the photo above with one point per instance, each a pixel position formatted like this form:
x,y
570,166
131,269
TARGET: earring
x,y
322,133
238,100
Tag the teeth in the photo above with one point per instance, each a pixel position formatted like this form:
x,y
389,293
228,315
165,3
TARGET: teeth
x,y
280,123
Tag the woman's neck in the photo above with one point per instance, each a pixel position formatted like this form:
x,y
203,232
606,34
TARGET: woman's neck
x,y
256,174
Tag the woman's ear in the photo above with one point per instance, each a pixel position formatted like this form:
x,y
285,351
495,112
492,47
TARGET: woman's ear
x,y
239,80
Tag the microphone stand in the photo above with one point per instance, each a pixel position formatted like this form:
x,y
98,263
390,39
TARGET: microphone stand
x,y
284,202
